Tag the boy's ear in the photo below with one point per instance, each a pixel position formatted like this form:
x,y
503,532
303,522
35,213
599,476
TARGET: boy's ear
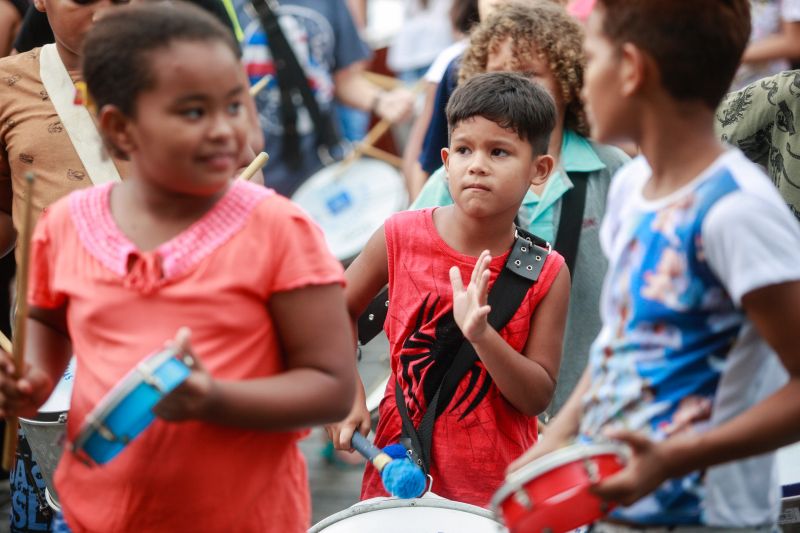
x,y
39,5
634,67
114,127
542,168
445,159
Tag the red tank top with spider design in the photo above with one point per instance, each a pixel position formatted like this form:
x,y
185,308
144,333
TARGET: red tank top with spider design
x,y
480,432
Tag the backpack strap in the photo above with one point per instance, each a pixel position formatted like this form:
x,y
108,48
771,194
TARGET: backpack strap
x,y
522,269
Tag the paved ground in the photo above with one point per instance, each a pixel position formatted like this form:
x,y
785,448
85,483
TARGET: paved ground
x,y
333,487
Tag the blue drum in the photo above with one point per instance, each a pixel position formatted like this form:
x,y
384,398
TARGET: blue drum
x,y
127,409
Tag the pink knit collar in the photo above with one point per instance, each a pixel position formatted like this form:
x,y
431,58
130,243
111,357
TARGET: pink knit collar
x,y
98,231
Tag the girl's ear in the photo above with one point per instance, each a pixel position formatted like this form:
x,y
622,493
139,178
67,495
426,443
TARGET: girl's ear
x,y
115,128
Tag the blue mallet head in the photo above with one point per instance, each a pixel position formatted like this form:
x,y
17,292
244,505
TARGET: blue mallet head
x,y
403,479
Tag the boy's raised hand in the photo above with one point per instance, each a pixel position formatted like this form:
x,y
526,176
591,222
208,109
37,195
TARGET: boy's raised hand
x,y
469,305
193,398
23,396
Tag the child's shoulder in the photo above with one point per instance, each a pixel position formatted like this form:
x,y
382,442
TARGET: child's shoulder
x,y
13,68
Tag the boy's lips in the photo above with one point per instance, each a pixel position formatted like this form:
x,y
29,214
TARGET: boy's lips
x,y
477,186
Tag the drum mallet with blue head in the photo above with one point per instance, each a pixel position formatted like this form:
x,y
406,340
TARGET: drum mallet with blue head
x,y
400,477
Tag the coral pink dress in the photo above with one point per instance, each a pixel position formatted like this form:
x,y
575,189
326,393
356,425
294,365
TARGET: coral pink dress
x,y
216,277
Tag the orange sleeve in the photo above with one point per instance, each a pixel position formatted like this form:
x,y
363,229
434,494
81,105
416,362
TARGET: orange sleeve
x,y
302,257
41,269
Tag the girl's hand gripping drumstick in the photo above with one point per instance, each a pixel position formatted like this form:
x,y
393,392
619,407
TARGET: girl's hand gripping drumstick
x,y
20,320
256,165
401,477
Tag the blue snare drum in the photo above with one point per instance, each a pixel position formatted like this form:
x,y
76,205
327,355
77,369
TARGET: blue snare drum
x,y
127,409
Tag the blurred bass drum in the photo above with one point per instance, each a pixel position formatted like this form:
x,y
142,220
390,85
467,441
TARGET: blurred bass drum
x,y
350,200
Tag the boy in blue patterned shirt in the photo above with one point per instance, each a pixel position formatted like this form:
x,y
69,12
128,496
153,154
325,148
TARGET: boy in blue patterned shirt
x,y
697,367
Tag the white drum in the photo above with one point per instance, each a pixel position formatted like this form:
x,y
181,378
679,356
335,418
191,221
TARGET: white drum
x,y
788,460
429,514
45,433
351,200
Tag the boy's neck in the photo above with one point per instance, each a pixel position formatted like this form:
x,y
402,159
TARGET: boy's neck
x,y
471,236
679,142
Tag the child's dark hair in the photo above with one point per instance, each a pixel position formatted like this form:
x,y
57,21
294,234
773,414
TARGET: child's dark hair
x,y
697,44
116,62
464,15
509,100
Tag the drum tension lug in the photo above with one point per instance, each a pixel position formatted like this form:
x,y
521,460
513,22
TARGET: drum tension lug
x,y
523,499
592,472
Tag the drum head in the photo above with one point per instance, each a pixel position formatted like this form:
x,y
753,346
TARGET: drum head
x,y
429,514
59,400
350,201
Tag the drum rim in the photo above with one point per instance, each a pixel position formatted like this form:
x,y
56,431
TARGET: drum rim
x,y
396,503
516,480
51,500
111,400
46,418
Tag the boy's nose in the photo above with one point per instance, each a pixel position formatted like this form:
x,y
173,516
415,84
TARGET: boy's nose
x,y
478,163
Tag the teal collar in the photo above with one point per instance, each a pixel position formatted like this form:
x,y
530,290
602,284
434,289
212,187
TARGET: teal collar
x,y
577,155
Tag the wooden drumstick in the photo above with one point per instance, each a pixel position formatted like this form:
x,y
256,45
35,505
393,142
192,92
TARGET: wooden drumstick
x,y
373,135
254,166
20,319
5,344
259,85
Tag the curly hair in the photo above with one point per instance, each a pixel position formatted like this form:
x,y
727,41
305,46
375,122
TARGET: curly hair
x,y
542,29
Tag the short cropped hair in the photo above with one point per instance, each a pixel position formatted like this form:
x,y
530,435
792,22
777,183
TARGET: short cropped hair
x,y
511,101
536,28
697,44
118,49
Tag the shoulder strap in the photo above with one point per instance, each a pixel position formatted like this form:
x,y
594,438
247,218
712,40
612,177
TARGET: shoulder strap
x,y
291,77
76,119
522,269
571,221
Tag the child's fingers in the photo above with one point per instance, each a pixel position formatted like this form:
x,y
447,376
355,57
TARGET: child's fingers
x,y
480,266
483,287
455,280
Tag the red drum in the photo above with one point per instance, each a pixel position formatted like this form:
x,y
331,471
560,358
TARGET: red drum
x,y
551,494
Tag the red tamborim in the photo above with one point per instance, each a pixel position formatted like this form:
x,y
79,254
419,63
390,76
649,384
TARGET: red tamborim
x,y
551,494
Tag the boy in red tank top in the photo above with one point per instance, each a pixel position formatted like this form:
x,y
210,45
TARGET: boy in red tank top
x,y
500,124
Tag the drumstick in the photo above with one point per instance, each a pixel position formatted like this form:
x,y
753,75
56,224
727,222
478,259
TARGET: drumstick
x,y
260,84
20,319
400,477
373,135
5,344
382,155
254,166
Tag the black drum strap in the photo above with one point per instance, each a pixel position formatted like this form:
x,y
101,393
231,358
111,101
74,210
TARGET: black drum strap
x,y
292,78
521,271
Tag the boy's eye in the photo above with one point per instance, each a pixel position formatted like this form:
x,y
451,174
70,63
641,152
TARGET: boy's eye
x,y
462,150
499,152
89,2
